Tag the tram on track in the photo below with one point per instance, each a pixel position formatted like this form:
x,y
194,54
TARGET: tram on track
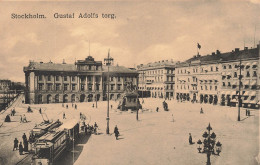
x,y
52,145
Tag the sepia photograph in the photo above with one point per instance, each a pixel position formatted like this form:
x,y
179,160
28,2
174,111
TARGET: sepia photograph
x,y
129,82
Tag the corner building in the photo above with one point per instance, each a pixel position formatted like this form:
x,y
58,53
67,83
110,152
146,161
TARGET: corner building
x,y
84,81
157,79
214,79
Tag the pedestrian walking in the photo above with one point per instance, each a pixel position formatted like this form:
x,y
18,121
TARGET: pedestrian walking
x,y
93,105
24,137
67,106
157,109
40,110
72,105
64,116
15,144
248,112
20,148
201,111
172,118
116,132
21,119
24,119
190,139
76,106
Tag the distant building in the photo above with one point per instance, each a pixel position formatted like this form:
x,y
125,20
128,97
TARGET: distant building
x,y
213,79
157,79
5,85
84,81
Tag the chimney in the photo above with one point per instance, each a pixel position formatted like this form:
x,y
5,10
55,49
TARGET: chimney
x,y
217,52
236,49
213,53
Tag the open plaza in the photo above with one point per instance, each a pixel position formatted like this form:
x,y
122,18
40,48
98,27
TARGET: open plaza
x,y
156,138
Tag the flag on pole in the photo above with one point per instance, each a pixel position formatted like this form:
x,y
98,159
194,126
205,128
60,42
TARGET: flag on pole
x,y
199,46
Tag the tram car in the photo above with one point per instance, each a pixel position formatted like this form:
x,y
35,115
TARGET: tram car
x,y
52,145
43,128
130,101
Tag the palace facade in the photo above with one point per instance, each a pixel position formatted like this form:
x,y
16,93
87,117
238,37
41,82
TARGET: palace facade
x,y
214,79
157,79
84,81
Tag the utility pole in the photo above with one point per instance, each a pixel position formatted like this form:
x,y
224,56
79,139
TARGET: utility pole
x,y
239,88
108,62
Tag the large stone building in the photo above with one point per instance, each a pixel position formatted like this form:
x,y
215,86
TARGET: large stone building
x,y
214,78
84,81
157,79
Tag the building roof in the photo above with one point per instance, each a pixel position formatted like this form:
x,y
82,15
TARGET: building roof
x,y
223,57
72,67
51,66
159,64
118,69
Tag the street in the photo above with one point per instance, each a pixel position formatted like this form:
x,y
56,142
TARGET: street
x,y
154,139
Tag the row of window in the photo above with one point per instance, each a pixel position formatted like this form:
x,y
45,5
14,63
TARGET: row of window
x,y
89,78
206,87
195,70
237,66
247,74
89,67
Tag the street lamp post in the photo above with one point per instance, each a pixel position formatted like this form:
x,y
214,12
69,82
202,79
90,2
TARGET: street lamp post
x,y
108,62
209,146
239,88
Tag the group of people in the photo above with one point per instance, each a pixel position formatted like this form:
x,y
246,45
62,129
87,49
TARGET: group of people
x,y
13,112
23,119
23,146
7,117
90,128
73,105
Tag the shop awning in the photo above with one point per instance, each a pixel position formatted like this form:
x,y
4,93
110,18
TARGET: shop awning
x,y
234,93
246,82
254,63
248,64
252,93
234,83
228,92
253,82
253,102
234,100
246,93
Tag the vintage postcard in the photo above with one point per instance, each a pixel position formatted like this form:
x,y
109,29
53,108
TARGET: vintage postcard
x,y
129,82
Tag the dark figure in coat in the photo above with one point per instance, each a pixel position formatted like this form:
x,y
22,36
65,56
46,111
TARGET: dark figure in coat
x,y
15,144
25,144
20,148
116,132
76,106
40,110
24,137
157,109
190,139
7,118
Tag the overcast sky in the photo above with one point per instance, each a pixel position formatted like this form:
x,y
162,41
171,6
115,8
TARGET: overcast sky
x,y
142,31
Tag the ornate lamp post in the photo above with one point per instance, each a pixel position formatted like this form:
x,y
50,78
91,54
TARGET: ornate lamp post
x,y
108,61
209,146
